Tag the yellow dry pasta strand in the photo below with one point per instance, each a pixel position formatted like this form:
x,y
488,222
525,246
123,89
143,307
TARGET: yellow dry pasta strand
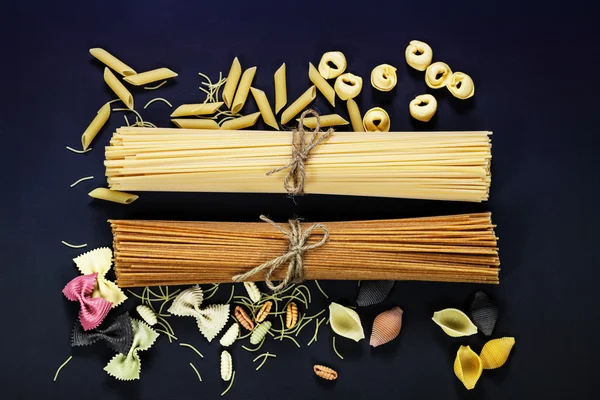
x,y
266,356
78,151
196,371
158,99
130,110
292,339
336,350
316,335
256,348
230,384
86,178
191,347
74,246
61,367
126,120
307,291
321,289
231,295
155,87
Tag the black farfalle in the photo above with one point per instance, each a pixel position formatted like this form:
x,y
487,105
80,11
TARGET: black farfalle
x,y
117,333
484,313
373,292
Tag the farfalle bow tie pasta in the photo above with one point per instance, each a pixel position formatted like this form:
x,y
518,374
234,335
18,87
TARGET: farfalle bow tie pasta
x,y
211,319
93,310
99,261
117,333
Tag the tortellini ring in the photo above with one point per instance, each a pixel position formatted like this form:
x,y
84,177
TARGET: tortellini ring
x,y
418,55
461,85
383,77
332,64
348,86
437,75
423,107
376,120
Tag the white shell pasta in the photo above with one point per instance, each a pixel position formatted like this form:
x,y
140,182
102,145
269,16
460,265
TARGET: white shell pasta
x,y
226,366
212,319
147,314
230,336
454,322
259,333
253,291
345,322
420,61
423,107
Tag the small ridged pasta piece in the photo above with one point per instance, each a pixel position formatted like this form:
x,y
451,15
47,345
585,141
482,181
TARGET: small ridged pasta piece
x,y
243,318
147,314
226,366
495,352
231,335
418,55
291,315
386,327
264,311
437,74
467,367
332,64
259,333
423,107
253,291
325,372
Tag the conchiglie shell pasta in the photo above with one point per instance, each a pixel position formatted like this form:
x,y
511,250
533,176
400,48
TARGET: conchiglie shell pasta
x,y
495,352
467,367
345,322
386,327
454,322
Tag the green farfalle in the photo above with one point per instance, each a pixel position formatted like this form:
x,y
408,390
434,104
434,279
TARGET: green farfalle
x,y
127,367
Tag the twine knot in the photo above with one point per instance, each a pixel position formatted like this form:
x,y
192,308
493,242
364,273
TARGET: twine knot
x,y
294,181
297,246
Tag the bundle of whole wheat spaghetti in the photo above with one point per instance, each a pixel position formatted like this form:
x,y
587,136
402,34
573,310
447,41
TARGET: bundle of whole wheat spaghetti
x,y
460,248
420,165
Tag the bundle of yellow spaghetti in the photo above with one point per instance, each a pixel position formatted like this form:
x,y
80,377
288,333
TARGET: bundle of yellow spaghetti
x,y
460,248
420,165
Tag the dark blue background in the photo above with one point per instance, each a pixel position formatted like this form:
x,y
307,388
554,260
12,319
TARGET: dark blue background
x,y
535,69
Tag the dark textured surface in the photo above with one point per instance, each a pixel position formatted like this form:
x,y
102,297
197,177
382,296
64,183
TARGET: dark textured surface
x,y
484,313
373,292
117,333
533,66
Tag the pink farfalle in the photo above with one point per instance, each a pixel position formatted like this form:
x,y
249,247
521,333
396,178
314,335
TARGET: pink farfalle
x,y
93,310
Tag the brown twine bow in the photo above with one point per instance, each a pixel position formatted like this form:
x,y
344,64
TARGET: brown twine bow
x,y
295,255
300,151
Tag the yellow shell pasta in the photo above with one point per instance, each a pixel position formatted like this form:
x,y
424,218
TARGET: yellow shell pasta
x,y
495,352
94,127
454,322
345,322
467,366
155,75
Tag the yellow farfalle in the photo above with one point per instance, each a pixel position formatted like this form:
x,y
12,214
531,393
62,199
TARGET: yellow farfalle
x,y
495,352
467,367
454,322
99,261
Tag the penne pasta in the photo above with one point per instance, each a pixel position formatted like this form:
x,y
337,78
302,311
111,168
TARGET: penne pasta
x,y
113,195
235,72
243,89
112,62
265,108
186,110
94,127
195,123
143,78
326,120
321,84
301,103
120,90
355,117
280,88
240,123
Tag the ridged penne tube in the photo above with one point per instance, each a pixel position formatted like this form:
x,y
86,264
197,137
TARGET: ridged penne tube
x,y
113,195
338,60
120,90
437,74
94,127
112,62
383,77
300,104
418,55
423,107
355,117
348,86
461,85
325,121
280,88
143,78
240,123
467,366
454,322
265,108
187,110
233,78
376,120
195,123
495,352
243,89
321,84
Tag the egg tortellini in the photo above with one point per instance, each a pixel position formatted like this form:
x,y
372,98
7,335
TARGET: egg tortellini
x,y
383,77
418,55
332,64
376,120
461,85
423,107
437,74
348,86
